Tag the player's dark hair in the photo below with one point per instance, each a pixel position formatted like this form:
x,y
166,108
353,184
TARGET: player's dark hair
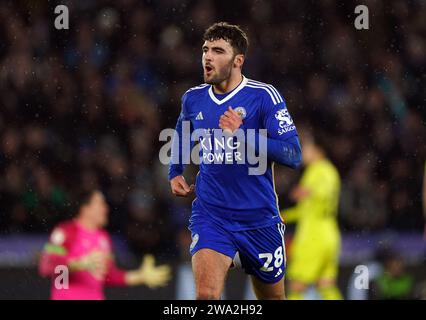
x,y
82,198
322,141
231,33
319,138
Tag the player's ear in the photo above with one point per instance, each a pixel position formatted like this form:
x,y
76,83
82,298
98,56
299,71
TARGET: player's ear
x,y
239,60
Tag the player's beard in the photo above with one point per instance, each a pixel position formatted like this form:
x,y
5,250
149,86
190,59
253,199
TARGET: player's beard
x,y
222,74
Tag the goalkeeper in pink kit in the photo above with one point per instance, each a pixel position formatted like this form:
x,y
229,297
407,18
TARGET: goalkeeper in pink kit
x,y
85,250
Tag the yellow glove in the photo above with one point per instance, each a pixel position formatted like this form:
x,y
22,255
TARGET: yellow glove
x,y
95,262
148,274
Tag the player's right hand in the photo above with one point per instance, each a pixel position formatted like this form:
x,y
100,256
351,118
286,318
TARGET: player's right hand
x,y
95,262
299,193
180,188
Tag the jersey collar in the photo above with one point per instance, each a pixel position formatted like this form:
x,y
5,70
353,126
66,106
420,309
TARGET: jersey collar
x,y
229,96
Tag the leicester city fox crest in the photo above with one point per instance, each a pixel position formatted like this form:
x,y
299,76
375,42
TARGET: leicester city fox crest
x,y
241,112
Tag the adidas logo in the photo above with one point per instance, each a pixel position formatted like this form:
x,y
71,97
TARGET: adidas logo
x,y
279,272
199,116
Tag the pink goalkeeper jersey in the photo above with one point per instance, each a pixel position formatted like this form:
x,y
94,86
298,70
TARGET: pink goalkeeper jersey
x,y
68,241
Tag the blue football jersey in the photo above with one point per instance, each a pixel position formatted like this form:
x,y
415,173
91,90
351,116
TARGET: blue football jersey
x,y
226,192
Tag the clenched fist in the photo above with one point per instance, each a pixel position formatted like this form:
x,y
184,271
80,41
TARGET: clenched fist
x,y
230,121
180,188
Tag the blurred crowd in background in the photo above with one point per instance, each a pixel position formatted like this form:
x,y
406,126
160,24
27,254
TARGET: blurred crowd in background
x,y
84,107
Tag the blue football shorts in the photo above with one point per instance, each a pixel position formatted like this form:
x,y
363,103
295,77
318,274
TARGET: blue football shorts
x,y
260,252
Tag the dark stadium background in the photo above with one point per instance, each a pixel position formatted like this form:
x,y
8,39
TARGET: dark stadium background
x,y
84,107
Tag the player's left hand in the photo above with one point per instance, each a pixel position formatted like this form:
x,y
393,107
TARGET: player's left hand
x,y
230,121
149,274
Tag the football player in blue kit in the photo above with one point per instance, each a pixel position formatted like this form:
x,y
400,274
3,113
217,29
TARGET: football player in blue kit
x,y
235,216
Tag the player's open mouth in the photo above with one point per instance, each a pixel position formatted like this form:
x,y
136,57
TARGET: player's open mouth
x,y
208,69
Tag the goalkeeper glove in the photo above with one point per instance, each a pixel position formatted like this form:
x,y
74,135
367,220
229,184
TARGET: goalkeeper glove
x,y
149,274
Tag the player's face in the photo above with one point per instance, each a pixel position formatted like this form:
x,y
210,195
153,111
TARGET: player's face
x,y
218,61
308,149
98,209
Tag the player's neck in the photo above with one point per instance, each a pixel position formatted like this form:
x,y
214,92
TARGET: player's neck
x,y
86,223
229,84
317,158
